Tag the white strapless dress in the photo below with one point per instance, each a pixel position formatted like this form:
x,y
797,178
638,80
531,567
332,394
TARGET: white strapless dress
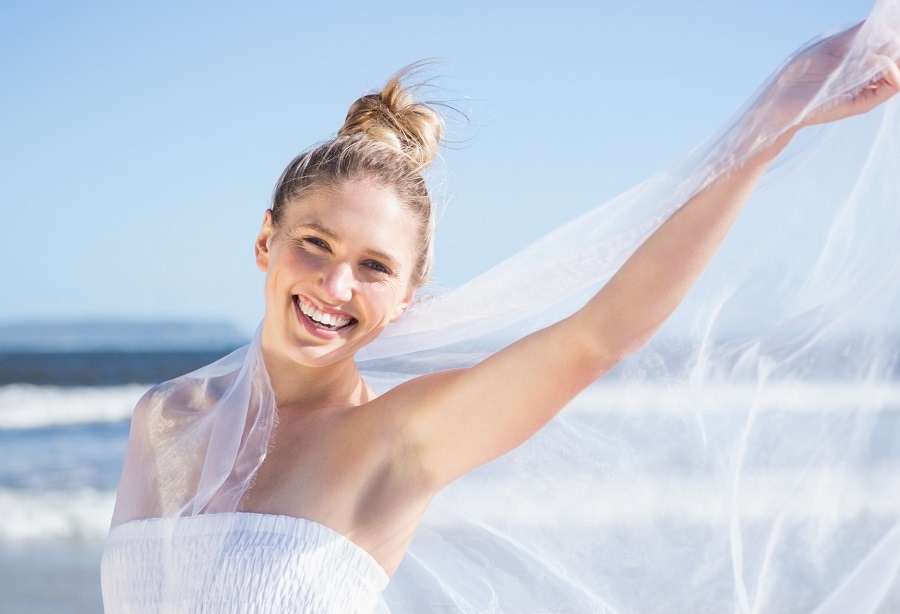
x,y
268,564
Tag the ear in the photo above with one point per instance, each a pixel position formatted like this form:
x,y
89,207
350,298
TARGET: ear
x,y
404,304
262,242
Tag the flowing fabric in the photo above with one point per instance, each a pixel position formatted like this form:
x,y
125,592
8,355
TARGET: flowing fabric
x,y
746,460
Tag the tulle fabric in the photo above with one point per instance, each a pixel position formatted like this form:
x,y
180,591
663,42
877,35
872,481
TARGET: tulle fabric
x,y
746,460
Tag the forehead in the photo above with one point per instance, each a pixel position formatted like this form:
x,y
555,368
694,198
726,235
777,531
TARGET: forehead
x,y
361,214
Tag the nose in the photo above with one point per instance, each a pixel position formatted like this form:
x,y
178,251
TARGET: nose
x,y
336,283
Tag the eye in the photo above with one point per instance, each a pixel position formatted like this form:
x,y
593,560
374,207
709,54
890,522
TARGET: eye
x,y
377,267
317,242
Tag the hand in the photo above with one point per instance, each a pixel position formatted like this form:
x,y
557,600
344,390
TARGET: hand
x,y
827,81
846,74
879,89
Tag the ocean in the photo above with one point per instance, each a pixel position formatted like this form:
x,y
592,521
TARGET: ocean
x,y
66,396
67,393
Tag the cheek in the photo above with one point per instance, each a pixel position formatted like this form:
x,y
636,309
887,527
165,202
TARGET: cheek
x,y
383,303
291,266
271,290
278,281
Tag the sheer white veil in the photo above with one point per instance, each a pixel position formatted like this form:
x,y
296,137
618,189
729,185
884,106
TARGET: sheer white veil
x,y
748,459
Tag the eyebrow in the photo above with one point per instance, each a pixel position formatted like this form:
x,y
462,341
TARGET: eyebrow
x,y
333,235
320,229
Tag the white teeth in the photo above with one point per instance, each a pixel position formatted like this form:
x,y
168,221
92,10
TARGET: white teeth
x,y
327,319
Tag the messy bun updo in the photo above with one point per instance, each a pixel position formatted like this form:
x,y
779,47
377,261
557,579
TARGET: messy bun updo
x,y
388,137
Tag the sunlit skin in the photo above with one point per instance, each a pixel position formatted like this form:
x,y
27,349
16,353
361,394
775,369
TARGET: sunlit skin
x,y
367,466
348,252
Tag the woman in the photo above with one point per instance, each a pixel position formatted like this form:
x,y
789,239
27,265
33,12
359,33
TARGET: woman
x,y
277,480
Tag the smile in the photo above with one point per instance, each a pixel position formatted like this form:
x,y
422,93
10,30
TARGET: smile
x,y
321,319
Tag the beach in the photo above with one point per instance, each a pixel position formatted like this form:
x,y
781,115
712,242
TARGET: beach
x,y
51,577
66,397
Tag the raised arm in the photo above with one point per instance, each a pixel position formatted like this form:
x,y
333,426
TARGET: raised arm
x,y
461,419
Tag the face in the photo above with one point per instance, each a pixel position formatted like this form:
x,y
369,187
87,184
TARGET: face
x,y
338,269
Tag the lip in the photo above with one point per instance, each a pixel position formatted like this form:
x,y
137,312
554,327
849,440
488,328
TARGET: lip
x,y
314,330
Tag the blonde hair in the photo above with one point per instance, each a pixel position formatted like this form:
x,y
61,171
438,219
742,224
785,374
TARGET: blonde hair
x,y
388,137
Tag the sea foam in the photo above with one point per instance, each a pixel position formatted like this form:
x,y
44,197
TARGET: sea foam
x,y
25,406
55,515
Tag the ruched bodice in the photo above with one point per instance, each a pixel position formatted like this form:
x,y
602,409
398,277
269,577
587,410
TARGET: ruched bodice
x,y
237,562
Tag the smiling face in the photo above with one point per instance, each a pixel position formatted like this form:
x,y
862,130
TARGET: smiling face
x,y
338,268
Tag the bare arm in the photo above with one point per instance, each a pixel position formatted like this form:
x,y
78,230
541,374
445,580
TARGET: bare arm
x,y
459,420
471,416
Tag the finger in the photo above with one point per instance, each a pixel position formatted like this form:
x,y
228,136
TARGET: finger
x,y
884,69
890,49
891,76
879,90
888,80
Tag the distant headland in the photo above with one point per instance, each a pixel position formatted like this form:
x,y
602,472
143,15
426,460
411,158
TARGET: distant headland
x,y
119,336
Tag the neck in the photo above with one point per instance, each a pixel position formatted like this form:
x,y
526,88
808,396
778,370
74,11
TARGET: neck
x,y
305,387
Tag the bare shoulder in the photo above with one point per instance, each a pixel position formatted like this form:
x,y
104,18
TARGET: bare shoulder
x,y
450,422
402,412
177,403
401,404
418,389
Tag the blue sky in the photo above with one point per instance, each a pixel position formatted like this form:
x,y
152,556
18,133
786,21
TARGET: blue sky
x,y
141,142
